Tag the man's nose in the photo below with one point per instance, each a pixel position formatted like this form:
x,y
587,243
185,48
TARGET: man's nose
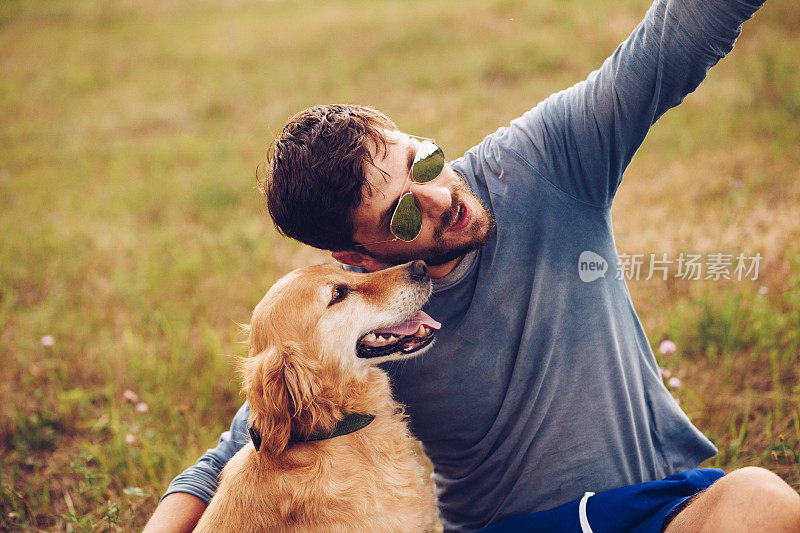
x,y
432,200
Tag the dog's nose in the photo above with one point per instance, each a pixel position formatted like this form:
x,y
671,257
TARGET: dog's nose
x,y
419,270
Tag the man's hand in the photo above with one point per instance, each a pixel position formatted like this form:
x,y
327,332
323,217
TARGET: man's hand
x,y
178,512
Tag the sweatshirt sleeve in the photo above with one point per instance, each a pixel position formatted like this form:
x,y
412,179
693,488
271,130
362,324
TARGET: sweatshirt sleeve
x,y
582,139
202,478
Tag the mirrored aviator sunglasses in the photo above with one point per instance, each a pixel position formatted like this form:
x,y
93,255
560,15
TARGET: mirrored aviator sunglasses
x,y
406,223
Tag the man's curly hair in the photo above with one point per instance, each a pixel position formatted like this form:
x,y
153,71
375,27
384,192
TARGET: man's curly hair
x,y
316,171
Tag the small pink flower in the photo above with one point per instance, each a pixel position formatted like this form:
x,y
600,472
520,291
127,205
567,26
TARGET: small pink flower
x,y
48,341
665,374
674,383
130,396
667,347
130,439
141,407
677,400
762,290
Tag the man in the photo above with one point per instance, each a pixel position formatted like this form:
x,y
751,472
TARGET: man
x,y
542,387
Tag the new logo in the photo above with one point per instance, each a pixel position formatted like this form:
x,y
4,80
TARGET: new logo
x,y
591,266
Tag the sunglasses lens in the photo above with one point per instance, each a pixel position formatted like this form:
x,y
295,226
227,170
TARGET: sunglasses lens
x,y
407,220
428,164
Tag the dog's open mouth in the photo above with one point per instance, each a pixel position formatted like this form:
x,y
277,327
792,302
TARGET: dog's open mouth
x,y
405,338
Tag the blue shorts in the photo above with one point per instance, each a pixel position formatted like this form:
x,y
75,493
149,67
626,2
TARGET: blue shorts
x,y
641,508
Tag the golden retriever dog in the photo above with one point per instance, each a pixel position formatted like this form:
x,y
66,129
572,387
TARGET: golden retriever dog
x,y
335,453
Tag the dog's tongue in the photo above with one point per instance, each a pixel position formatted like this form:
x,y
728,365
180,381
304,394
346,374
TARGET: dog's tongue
x,y
411,325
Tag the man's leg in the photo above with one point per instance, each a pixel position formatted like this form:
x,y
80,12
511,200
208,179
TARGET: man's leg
x,y
749,500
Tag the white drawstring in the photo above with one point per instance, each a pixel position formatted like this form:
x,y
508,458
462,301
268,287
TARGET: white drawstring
x,y
585,527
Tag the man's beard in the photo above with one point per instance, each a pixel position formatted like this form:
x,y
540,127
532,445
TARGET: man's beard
x,y
442,252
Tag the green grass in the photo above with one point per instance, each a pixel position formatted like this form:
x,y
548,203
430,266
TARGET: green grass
x,y
134,236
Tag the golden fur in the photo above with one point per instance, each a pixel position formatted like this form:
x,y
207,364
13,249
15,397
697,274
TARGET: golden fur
x,y
301,375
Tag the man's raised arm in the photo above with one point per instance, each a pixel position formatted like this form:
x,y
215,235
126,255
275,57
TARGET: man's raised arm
x,y
189,493
582,139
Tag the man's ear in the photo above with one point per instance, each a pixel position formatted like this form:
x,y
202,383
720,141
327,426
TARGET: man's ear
x,y
358,259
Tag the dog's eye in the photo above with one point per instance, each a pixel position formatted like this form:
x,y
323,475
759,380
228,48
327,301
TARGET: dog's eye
x,y
339,293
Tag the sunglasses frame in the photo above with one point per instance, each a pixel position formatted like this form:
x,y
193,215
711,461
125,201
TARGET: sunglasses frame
x,y
400,200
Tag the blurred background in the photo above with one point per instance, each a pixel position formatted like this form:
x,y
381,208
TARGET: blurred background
x,y
134,241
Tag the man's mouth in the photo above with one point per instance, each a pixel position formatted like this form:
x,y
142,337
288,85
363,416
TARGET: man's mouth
x,y
405,338
461,219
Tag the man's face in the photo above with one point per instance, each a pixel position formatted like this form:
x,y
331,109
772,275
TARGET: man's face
x,y
454,221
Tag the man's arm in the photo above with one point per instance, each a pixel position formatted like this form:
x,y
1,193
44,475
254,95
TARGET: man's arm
x,y
582,139
178,512
189,493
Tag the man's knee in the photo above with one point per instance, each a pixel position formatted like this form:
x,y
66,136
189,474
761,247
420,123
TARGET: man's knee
x,y
748,500
757,492
757,481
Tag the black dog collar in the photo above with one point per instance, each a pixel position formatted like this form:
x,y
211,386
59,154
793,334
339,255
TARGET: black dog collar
x,y
349,424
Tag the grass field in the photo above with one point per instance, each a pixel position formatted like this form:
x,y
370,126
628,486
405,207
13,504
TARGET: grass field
x,y
134,240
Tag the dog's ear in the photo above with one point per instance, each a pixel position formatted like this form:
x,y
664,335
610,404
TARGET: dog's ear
x,y
286,396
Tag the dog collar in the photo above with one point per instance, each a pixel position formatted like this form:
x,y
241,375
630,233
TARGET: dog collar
x,y
349,424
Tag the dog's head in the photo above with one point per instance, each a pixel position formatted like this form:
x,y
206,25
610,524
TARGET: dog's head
x,y
315,338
